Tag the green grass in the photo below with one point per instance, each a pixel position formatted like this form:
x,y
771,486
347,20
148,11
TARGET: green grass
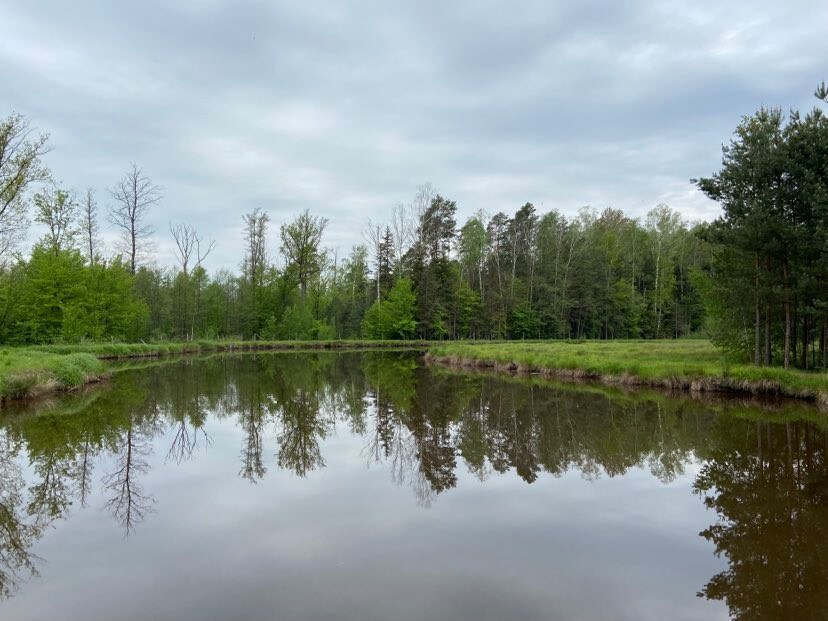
x,y
687,364
26,373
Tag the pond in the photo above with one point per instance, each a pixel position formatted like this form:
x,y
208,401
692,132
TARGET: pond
x,y
366,485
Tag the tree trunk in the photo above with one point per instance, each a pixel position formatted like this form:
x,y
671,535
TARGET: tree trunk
x,y
768,350
757,324
787,346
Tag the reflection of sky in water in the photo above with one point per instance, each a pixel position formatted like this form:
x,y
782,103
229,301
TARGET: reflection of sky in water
x,y
352,540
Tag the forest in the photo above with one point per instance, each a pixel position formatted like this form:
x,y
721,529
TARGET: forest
x,y
755,280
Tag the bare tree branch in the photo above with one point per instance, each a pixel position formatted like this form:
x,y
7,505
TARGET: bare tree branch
x,y
134,195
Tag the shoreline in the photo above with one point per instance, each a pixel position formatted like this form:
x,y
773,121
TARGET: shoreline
x,y
51,369
687,384
117,351
29,373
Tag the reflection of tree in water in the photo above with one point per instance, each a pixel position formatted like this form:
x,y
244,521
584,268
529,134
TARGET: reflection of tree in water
x,y
17,532
86,456
768,484
189,414
185,440
423,425
127,501
302,427
252,425
424,421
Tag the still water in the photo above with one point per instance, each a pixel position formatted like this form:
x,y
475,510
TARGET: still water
x,y
368,486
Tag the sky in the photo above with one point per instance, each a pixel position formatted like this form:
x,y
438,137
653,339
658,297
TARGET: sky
x,y
345,108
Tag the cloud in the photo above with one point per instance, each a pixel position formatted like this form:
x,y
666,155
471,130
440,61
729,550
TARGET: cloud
x,y
345,109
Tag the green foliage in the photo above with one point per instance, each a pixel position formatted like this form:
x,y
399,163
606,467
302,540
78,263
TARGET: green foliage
x,y
521,276
768,282
524,322
56,297
392,318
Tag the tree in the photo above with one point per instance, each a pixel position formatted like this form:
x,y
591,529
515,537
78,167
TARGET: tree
x,y
664,226
56,209
254,266
134,196
821,92
769,244
403,225
89,230
472,249
185,238
20,167
432,272
300,248
373,237
392,318
385,265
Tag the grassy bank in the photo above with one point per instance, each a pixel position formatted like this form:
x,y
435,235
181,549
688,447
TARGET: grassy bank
x,y
683,364
34,371
686,364
26,373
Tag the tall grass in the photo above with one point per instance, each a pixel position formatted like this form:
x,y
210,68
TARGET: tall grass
x,y
689,364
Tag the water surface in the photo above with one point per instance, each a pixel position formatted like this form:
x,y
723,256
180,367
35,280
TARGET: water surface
x,y
367,486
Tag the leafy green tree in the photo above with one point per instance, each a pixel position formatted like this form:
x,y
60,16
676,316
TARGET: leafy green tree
x,y
57,210
63,300
300,248
392,318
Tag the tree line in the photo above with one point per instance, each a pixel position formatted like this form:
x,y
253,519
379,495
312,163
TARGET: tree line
x,y
754,279
419,275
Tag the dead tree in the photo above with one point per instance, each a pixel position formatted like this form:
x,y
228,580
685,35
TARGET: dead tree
x,y
134,195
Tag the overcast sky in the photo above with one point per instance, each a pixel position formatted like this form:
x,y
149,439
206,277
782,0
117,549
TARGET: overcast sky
x,y
344,110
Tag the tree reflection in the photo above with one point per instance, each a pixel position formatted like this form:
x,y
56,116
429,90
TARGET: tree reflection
x,y
189,413
127,501
768,484
186,440
302,428
17,532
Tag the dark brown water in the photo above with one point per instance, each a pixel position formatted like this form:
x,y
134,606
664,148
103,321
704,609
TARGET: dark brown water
x,y
366,486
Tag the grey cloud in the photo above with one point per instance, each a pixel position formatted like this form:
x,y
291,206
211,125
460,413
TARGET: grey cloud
x,y
345,108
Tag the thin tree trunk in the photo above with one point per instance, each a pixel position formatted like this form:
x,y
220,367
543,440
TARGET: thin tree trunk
x,y
787,345
768,351
757,328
